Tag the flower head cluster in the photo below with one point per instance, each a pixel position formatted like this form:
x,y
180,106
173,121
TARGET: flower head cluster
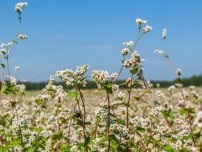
x,y
17,68
164,34
100,77
22,37
72,78
129,45
5,49
135,60
147,29
140,21
128,48
114,76
179,72
130,82
19,6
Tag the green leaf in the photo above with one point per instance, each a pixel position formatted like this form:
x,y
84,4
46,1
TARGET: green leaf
x,y
169,148
73,94
57,136
8,89
134,70
108,88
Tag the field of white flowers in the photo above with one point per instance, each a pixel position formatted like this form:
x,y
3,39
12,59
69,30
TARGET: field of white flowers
x,y
108,119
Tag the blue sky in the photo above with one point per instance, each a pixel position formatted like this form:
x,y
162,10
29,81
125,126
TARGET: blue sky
x,y
67,33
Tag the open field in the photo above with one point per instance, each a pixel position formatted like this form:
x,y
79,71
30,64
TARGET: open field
x,y
159,121
107,119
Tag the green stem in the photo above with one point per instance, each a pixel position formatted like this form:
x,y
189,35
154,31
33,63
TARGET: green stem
x,y
108,123
128,103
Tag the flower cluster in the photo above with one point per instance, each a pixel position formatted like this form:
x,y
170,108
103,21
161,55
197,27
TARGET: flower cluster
x,y
134,61
19,6
73,78
100,77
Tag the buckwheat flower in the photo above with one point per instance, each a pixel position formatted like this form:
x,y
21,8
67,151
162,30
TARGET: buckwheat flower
x,y
17,68
140,21
125,51
20,88
81,70
120,96
179,72
135,60
147,29
22,37
114,76
115,88
100,77
13,80
130,82
198,120
19,6
171,88
129,45
52,79
164,34
161,52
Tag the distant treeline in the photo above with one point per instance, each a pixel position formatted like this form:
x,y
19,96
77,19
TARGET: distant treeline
x,y
194,80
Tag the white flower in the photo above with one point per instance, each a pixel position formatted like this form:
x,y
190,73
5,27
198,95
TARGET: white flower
x,y
19,6
100,77
139,21
114,76
129,45
161,52
147,29
22,37
125,51
17,68
164,34
179,72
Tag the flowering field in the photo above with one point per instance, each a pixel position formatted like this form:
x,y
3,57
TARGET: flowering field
x,y
137,119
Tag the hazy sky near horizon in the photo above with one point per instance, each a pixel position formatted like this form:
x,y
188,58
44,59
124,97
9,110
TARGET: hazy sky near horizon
x,y
68,33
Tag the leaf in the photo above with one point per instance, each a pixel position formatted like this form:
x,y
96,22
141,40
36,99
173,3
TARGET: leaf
x,y
108,88
169,148
134,70
8,89
57,136
73,94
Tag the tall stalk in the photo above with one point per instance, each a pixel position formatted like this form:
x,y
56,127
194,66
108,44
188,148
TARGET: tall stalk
x,y
108,122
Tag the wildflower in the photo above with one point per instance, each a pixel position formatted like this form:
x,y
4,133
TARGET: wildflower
x,y
100,77
129,45
17,68
135,60
164,34
171,88
147,29
161,52
114,76
139,22
19,6
179,72
22,37
120,96
125,51
130,82
12,80
115,88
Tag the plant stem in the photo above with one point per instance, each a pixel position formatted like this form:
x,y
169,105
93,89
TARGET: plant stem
x,y
108,123
84,119
128,103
